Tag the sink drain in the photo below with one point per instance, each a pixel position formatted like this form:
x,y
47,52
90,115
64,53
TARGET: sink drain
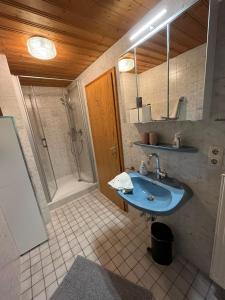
x,y
151,198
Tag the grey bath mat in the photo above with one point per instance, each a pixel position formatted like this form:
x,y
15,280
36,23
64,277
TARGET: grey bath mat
x,y
88,281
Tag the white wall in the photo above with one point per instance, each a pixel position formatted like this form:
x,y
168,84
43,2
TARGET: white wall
x,y
194,223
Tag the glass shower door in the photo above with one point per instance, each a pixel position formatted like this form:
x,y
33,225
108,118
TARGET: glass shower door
x,y
41,144
82,141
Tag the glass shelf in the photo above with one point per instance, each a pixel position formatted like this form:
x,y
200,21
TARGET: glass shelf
x,y
168,147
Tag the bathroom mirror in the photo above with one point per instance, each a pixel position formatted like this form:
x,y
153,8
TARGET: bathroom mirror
x,y
187,63
128,79
151,60
144,80
167,75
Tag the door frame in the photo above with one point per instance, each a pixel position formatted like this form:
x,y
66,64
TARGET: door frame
x,y
112,72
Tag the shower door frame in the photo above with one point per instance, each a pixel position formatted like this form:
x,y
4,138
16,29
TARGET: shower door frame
x,y
31,137
76,84
38,121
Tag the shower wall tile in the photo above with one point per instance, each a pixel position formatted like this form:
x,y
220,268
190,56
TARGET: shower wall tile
x,y
9,105
194,223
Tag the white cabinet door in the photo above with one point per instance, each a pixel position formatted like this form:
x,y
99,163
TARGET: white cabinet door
x,y
217,272
17,198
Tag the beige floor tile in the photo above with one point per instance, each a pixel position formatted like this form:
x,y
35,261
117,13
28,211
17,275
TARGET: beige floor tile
x,y
93,227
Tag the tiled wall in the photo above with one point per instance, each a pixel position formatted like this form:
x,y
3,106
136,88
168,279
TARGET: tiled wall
x,y
194,223
56,128
129,92
187,74
153,89
9,105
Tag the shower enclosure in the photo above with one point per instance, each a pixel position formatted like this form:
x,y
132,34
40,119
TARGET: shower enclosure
x,y
73,134
61,136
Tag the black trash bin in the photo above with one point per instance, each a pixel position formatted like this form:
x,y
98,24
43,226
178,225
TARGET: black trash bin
x,y
162,240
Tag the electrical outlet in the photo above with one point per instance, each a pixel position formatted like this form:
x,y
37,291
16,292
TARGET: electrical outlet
x,y
215,156
213,162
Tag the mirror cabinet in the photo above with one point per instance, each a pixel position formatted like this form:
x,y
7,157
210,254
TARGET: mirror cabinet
x,y
164,77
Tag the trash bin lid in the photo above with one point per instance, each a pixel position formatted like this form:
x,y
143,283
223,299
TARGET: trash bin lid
x,y
161,232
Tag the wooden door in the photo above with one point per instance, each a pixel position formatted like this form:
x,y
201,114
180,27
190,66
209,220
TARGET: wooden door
x,y
105,126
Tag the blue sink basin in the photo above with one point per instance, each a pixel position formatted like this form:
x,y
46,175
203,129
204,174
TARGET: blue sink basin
x,y
157,197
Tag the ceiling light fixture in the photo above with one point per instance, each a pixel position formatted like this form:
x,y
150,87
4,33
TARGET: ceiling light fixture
x,y
126,63
149,24
41,48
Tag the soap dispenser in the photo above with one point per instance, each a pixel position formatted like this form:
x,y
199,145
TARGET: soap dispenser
x,y
177,140
143,169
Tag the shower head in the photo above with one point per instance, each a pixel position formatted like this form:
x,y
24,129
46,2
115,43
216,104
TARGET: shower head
x,y
66,102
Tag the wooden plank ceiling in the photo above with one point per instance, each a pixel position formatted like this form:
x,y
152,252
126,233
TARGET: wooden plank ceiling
x,y
187,32
81,30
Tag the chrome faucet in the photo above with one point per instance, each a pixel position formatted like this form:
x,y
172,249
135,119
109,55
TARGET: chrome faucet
x,y
159,173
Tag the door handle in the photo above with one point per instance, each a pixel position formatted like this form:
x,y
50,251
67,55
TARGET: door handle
x,y
113,150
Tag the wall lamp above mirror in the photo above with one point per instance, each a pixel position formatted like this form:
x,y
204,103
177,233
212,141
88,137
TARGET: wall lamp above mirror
x,y
170,68
126,62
